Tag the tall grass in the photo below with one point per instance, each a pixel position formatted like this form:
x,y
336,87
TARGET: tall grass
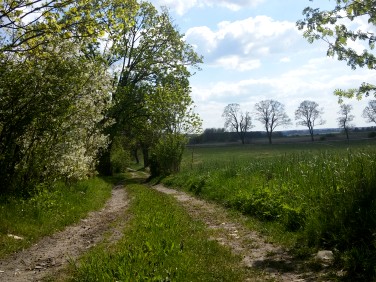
x,y
50,209
327,196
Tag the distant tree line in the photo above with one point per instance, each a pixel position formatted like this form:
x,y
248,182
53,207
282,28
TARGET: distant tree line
x,y
220,135
271,114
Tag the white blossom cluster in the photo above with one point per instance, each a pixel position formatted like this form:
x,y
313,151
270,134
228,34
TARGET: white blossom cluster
x,y
62,139
75,155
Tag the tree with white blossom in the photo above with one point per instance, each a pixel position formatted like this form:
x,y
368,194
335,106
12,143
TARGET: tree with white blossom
x,y
52,111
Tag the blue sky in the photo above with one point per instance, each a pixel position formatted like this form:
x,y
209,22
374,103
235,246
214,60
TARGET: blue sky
x,y
253,51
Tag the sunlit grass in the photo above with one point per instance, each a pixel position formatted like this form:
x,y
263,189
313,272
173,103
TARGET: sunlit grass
x,y
325,194
161,243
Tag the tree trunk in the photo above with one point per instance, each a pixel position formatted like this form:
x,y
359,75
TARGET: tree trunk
x,y
312,139
311,133
135,155
270,137
347,133
104,166
145,152
241,135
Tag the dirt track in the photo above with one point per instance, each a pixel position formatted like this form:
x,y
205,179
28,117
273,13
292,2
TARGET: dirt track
x,y
53,253
274,261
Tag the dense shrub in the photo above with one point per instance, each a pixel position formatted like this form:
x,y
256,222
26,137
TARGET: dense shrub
x,y
167,154
196,185
119,156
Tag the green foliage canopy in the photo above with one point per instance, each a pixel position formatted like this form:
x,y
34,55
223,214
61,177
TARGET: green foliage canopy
x,y
53,95
27,24
154,65
58,96
333,26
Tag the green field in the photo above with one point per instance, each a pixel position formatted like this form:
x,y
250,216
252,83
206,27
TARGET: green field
x,y
321,194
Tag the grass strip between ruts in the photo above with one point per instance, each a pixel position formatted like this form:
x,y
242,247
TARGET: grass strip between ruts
x,y
160,243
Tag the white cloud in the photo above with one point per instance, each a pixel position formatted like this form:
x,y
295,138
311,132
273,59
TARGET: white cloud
x,y
285,60
179,6
247,40
182,6
203,38
237,63
237,5
315,80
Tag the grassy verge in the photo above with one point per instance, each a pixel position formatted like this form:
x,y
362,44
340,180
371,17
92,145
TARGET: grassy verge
x,y
324,198
48,211
160,243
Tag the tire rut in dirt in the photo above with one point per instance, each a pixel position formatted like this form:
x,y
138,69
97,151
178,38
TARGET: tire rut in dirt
x,y
53,253
274,261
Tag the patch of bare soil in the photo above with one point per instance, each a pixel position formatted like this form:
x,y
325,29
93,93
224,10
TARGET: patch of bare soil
x,y
274,261
53,253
